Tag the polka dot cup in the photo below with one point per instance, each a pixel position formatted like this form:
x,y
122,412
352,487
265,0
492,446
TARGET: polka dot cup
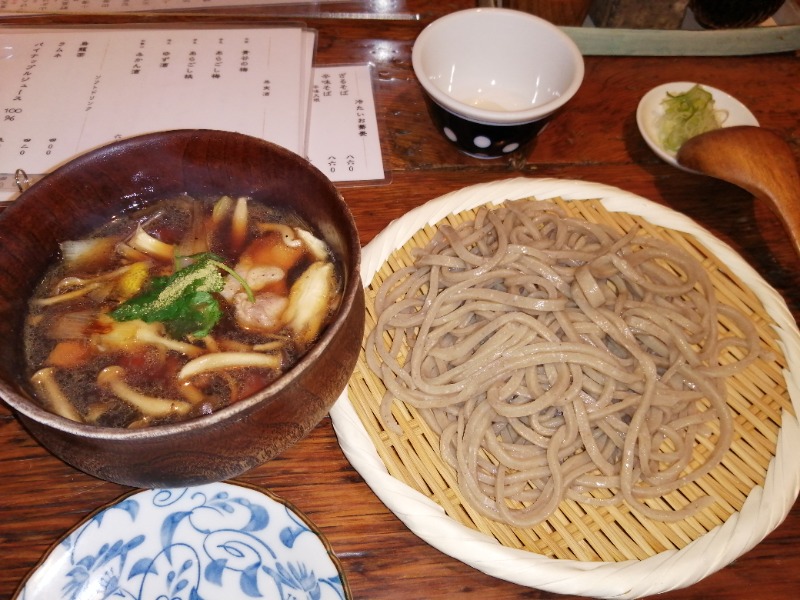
x,y
492,77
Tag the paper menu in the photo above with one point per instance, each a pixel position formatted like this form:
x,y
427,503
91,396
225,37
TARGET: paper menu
x,y
343,138
67,91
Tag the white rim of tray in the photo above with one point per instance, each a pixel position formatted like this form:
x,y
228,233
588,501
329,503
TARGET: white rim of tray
x,y
764,509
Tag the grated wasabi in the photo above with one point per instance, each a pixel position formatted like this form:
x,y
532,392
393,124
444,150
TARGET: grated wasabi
x,y
686,115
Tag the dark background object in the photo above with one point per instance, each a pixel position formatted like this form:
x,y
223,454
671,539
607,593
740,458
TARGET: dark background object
x,y
730,14
635,14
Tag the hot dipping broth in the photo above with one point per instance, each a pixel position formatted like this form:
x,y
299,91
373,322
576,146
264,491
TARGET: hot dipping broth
x,y
177,310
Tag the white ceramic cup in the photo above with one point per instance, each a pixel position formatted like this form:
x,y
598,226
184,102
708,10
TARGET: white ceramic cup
x,y
492,76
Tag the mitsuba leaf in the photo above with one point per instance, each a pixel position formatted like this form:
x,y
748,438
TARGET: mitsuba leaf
x,y
184,301
198,316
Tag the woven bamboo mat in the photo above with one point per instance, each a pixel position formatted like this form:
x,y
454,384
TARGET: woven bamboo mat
x,y
577,531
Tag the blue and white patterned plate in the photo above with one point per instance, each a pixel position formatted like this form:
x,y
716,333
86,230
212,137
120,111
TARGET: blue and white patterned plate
x,y
219,540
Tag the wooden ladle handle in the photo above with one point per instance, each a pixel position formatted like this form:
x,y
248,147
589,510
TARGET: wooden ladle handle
x,y
756,159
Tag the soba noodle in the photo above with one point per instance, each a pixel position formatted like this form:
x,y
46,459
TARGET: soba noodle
x,y
556,358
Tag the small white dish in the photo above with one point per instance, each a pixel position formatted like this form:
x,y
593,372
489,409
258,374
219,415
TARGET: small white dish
x,y
210,541
651,109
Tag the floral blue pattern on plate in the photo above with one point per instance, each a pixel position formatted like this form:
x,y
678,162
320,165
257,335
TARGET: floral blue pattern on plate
x,y
219,540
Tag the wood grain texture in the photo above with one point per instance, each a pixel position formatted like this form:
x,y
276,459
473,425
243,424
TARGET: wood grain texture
x,y
595,139
756,159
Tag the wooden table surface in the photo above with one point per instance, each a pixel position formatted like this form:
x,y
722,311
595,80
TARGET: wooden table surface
x,y
594,139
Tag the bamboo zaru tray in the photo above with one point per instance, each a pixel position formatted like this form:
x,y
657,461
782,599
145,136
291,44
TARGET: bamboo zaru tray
x,y
582,549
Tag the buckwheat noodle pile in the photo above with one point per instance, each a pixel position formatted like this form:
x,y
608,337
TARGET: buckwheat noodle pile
x,y
557,358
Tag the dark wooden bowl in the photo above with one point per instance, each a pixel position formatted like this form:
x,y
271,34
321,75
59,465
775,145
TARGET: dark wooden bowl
x,y
81,195
733,14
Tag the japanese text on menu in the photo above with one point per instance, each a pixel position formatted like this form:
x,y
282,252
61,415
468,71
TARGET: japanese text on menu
x,y
66,93
346,92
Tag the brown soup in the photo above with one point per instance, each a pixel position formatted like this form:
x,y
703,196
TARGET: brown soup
x,y
177,310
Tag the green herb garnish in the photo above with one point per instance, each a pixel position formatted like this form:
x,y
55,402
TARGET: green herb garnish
x,y
686,115
184,302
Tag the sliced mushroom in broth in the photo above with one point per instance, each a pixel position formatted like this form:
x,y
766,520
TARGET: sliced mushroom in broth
x,y
177,310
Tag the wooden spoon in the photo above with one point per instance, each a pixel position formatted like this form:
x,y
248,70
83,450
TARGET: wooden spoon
x,y
757,160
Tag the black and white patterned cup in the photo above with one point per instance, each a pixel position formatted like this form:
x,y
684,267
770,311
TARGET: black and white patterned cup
x,y
492,77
